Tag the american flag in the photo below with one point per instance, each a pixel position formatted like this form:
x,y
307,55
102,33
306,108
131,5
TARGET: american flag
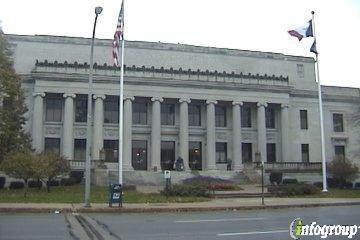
x,y
118,35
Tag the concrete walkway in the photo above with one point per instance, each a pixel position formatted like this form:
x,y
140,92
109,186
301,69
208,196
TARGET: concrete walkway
x,y
213,205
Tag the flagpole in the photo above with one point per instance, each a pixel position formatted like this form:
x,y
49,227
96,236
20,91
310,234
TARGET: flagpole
x,y
121,113
323,158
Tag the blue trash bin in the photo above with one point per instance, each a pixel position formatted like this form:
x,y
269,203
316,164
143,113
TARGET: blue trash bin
x,y
115,194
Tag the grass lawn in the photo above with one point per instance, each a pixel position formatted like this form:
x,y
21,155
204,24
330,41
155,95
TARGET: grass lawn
x,y
335,193
75,194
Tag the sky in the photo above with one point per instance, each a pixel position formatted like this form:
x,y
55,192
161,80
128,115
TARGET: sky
x,y
258,25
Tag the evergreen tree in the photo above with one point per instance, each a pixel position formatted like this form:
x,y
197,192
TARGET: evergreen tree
x,y
12,106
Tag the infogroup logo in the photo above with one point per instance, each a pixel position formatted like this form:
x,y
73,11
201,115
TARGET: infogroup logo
x,y
298,229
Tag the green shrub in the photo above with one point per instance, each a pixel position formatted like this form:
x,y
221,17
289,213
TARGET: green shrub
x,y
2,182
78,175
183,190
68,181
16,185
289,181
276,177
52,183
34,184
294,189
343,170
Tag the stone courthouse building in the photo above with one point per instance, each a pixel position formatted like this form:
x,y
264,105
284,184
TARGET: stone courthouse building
x,y
209,106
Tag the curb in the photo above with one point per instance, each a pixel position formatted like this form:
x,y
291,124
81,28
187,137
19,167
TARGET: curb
x,y
171,209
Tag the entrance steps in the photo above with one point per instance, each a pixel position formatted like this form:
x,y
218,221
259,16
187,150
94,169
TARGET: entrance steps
x,y
102,177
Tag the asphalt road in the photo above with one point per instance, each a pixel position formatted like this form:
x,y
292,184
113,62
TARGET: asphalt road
x,y
251,225
226,225
33,226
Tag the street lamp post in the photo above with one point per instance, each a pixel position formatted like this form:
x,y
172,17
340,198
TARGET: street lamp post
x,y
258,158
98,10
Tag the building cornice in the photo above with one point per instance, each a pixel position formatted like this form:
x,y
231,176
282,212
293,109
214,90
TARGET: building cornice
x,y
162,70
326,97
153,81
159,46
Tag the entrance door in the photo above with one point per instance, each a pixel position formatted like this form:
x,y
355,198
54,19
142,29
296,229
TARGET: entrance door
x,y
167,155
139,154
195,155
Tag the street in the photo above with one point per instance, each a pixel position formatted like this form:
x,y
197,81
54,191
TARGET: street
x,y
227,225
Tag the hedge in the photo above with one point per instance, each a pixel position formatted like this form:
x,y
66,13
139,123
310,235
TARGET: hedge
x,y
183,190
294,189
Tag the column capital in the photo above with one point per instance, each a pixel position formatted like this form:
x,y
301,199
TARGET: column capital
x,y
131,98
284,105
159,99
262,104
96,96
237,103
211,101
185,99
41,94
66,95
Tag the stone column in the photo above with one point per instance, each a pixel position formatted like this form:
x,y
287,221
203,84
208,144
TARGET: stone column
x,y
38,122
261,130
127,134
156,133
285,132
210,135
98,138
237,151
68,127
184,131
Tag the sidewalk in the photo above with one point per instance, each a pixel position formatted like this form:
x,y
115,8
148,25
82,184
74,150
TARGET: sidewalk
x,y
213,205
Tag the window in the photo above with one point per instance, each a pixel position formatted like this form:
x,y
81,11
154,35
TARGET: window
x,y
338,122
139,113
270,117
139,154
300,70
271,152
80,149
305,153
220,116
167,114
52,145
340,151
111,113
221,152
195,155
246,117
81,108
53,108
246,152
111,150
303,119
194,115
167,155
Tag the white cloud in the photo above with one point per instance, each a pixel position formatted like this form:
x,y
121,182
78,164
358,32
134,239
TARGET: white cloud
x,y
242,24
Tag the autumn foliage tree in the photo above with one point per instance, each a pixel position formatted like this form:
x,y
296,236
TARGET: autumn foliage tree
x,y
51,165
28,165
12,106
21,165
343,170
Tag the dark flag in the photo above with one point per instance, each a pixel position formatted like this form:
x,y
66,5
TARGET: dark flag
x,y
313,48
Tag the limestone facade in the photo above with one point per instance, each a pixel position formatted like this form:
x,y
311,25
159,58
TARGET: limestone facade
x,y
205,105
